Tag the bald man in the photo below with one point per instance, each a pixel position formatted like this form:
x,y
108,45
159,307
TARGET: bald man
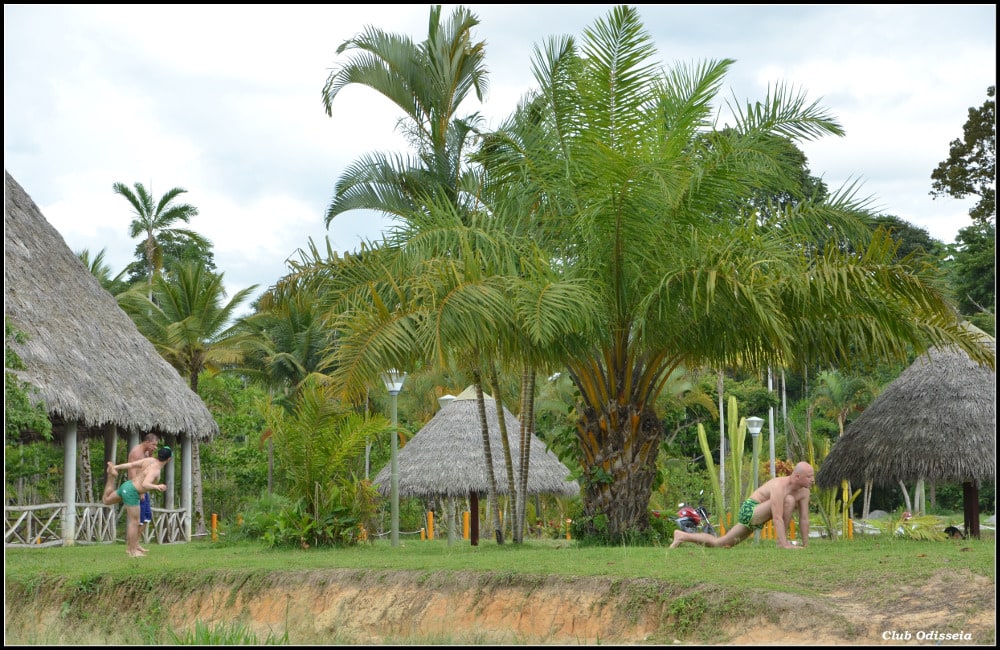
x,y
775,500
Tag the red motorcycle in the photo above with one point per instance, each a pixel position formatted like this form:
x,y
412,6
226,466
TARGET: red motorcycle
x,y
695,519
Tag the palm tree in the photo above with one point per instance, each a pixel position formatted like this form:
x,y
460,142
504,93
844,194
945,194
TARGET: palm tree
x,y
639,198
190,326
154,221
429,81
100,270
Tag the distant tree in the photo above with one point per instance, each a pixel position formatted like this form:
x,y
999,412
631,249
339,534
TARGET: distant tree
x,y
971,167
911,238
974,274
175,249
154,220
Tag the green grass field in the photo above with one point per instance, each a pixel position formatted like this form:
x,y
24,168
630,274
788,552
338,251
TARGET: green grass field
x,y
860,563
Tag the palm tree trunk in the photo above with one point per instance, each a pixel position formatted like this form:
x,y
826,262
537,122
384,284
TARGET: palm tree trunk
x,y
199,502
906,497
508,462
196,488
86,474
488,457
527,420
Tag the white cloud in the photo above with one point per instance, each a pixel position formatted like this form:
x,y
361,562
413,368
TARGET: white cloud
x,y
227,104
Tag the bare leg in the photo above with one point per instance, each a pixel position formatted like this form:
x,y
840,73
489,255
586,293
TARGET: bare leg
x,y
110,497
735,535
132,531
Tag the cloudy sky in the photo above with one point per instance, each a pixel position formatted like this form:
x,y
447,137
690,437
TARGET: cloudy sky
x,y
225,102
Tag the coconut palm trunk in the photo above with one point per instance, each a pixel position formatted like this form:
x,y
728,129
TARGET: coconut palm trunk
x,y
491,480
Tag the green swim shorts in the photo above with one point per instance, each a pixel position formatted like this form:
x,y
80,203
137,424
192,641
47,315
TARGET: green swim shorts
x,y
746,514
130,496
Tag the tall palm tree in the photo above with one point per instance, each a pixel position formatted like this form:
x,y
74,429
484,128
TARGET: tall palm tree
x,y
154,222
428,81
644,201
192,328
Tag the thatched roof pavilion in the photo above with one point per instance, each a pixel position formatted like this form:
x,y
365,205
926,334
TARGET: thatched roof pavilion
x,y
445,458
936,422
95,372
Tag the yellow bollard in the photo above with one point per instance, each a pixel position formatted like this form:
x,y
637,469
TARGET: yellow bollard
x,y
850,529
423,534
568,522
430,524
791,530
215,527
465,524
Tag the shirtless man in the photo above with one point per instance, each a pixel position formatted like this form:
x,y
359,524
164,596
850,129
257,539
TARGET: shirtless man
x,y
144,449
131,491
775,500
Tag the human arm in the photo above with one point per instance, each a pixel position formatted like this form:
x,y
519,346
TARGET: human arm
x,y
804,520
130,465
783,501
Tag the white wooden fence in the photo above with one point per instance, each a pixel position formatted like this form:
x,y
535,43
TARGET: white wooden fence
x,y
40,526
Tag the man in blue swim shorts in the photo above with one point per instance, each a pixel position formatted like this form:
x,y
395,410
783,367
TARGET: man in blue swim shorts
x,y
132,490
774,501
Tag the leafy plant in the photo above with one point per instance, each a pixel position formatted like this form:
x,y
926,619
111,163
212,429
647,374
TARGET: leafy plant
x,y
21,410
220,634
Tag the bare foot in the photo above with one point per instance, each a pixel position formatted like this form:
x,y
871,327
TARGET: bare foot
x,y
111,469
677,542
135,554
143,550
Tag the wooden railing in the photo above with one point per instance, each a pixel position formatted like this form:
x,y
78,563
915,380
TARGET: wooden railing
x,y
33,526
40,526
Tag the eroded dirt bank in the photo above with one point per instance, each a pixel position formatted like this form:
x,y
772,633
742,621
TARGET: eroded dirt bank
x,y
373,607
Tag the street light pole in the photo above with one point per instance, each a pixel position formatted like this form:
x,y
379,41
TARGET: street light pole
x,y
754,425
394,383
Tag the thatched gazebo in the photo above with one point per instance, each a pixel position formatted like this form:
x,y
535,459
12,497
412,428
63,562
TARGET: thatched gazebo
x,y
936,422
445,458
97,375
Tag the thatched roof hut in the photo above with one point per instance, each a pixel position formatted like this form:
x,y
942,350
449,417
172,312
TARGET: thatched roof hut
x,y
445,458
85,356
936,422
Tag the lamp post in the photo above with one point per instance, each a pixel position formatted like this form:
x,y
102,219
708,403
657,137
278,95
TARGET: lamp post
x,y
754,425
394,383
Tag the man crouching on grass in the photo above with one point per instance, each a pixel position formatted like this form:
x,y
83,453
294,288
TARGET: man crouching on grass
x,y
775,500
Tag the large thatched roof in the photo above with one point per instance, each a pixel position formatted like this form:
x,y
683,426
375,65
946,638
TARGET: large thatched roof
x,y
936,421
84,354
445,458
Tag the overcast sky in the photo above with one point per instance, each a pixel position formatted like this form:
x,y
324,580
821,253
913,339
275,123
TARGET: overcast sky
x,y
225,102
